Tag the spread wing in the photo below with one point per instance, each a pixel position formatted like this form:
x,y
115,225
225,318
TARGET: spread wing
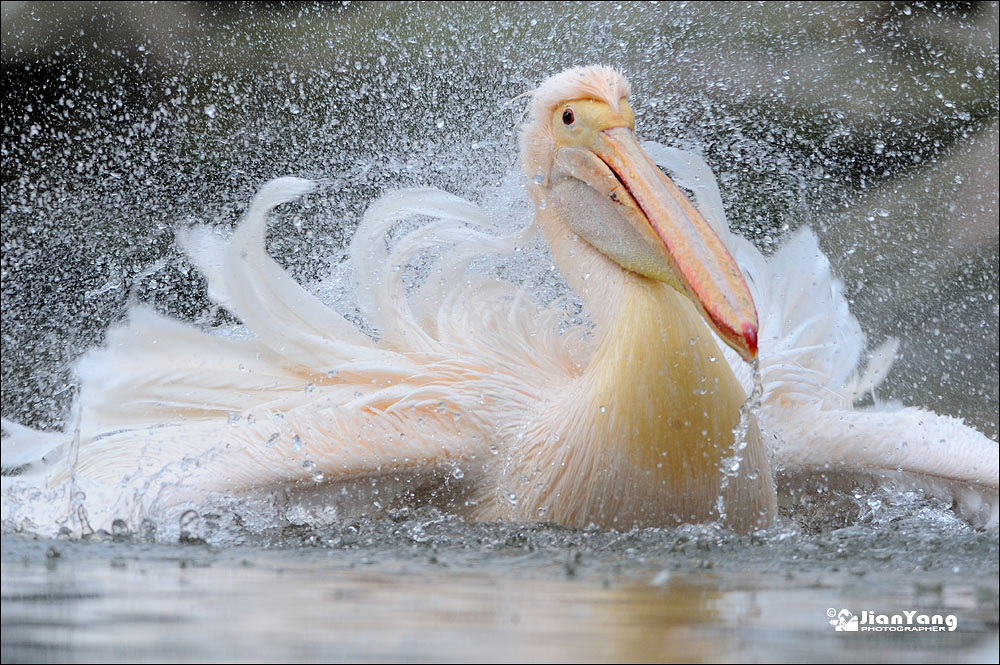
x,y
299,392
811,349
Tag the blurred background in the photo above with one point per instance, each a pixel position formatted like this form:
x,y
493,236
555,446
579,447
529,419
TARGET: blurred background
x,y
875,123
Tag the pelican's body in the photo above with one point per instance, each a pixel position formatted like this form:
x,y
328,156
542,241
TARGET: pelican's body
x,y
469,396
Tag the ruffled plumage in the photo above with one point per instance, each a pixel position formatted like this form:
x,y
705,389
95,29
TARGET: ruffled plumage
x,y
441,402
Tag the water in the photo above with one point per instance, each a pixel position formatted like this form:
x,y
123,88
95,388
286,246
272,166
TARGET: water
x,y
425,586
875,125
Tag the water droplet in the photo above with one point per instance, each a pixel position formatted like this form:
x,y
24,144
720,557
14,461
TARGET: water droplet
x,y
147,530
297,443
458,473
512,498
308,465
210,110
189,523
119,530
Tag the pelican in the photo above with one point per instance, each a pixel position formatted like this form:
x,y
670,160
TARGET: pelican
x,y
701,373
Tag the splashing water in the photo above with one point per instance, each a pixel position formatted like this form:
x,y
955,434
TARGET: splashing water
x,y
730,466
123,124
352,116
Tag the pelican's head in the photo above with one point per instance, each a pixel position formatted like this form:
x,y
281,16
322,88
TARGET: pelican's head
x,y
586,168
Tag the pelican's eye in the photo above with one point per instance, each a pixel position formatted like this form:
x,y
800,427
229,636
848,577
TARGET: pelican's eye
x,y
568,117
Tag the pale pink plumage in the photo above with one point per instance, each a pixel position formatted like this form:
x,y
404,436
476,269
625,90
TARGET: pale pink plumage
x,y
461,395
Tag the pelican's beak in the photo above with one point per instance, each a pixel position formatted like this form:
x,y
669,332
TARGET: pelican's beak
x,y
694,253
653,229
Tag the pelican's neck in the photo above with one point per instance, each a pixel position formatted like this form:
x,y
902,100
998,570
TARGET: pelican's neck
x,y
657,403
653,350
658,374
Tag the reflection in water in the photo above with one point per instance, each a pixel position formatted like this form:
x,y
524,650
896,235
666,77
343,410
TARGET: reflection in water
x,y
126,602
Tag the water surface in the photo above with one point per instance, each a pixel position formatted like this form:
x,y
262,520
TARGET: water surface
x,y
430,587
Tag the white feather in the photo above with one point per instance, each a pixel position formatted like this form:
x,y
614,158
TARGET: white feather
x,y
172,413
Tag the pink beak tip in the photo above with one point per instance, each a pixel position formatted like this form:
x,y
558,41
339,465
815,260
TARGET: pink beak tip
x,y
750,337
